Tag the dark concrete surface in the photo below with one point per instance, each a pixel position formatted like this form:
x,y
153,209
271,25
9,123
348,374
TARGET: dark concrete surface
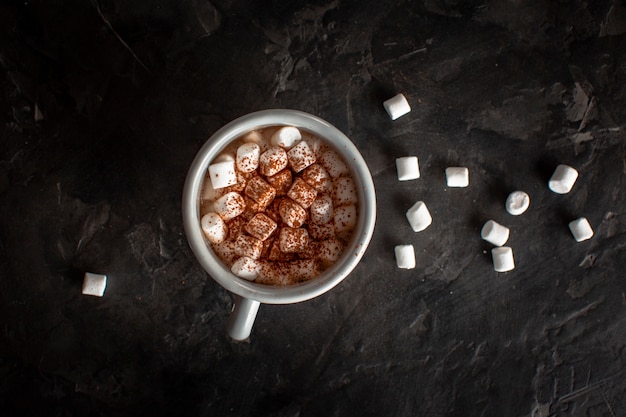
x,y
104,104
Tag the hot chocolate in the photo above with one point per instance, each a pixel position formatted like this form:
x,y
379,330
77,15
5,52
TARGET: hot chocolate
x,y
278,205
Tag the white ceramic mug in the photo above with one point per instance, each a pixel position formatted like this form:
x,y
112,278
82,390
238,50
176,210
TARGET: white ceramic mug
x,y
249,295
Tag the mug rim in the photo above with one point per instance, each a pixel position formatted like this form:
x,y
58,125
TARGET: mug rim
x,y
330,277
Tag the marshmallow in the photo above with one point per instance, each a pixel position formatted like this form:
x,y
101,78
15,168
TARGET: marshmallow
x,y
317,177
223,174
292,213
273,160
408,168
303,269
300,156
457,176
293,240
502,259
281,181
328,251
225,251
302,193
261,226
248,157
286,137
419,217
322,209
253,137
344,191
405,256
494,233
236,227
345,218
397,106
322,231
581,229
260,191
276,254
94,284
563,179
333,163
246,268
229,206
287,272
214,227
224,157
517,202
248,246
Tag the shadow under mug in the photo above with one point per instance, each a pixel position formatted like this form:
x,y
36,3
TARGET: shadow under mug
x,y
250,295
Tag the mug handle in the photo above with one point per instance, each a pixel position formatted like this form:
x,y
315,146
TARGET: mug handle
x,y
241,320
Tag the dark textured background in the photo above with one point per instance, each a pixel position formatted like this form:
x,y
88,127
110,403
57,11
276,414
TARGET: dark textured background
x,y
104,104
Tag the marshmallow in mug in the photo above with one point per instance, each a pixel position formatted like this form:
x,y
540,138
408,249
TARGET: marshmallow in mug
x,y
214,227
223,174
286,137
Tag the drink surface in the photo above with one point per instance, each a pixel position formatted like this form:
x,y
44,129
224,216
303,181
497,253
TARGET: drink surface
x,y
278,206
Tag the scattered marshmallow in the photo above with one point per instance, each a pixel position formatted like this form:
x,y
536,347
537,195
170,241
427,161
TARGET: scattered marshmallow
x,y
214,227
563,179
457,176
405,256
502,259
345,218
293,240
419,217
302,193
246,268
333,163
581,229
94,284
317,177
397,106
260,226
286,137
517,203
292,213
248,246
260,191
248,157
495,233
408,168
344,191
322,209
229,206
223,174
273,160
301,156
